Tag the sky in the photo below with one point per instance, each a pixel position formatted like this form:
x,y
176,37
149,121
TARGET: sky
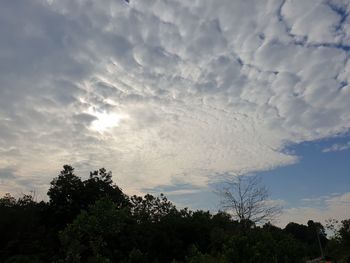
x,y
170,95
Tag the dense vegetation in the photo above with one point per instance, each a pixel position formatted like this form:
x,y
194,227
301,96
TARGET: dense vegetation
x,y
94,221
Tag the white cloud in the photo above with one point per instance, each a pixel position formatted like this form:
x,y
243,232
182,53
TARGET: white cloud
x,y
314,20
337,147
318,209
207,86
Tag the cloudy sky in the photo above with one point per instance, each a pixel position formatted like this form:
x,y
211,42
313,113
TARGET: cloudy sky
x,y
172,94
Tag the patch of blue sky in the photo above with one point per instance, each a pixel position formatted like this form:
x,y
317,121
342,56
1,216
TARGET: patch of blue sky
x,y
318,175
318,172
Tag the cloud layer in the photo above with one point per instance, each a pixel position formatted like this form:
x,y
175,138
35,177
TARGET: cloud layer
x,y
318,209
337,147
166,92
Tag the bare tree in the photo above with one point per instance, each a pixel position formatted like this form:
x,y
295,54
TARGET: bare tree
x,y
247,199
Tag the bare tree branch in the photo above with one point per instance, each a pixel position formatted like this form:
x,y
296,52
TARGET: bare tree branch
x,y
247,199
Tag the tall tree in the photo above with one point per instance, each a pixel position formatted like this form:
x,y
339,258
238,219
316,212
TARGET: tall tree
x,y
248,200
65,195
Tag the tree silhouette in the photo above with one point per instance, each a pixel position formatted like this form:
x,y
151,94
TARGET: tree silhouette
x,y
65,195
150,208
247,200
92,220
99,185
86,239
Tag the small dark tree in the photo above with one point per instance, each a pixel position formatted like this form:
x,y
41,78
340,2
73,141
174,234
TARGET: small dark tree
x,y
100,185
247,200
65,195
150,208
317,232
7,201
344,231
65,189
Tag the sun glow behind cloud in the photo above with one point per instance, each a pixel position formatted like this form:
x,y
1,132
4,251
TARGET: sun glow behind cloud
x,y
105,120
180,90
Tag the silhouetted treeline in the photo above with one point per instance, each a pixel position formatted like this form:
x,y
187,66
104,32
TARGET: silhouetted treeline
x,y
94,221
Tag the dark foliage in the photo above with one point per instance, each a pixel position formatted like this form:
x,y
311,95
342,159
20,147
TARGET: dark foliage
x,y
92,220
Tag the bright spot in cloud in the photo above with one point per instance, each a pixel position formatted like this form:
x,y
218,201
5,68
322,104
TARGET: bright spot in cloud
x,y
209,87
105,120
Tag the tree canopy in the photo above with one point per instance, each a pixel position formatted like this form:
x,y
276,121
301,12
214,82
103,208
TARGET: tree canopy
x,y
92,220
